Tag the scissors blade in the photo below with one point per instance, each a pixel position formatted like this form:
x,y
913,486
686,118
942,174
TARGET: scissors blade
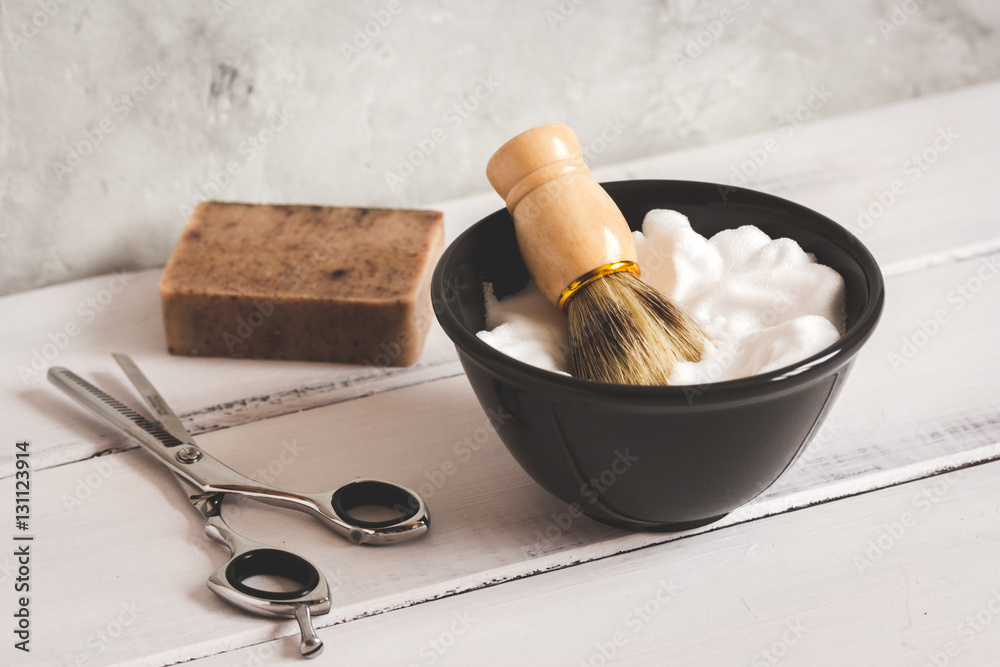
x,y
146,431
149,433
156,403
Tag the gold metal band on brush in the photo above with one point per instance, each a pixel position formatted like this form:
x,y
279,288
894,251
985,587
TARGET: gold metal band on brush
x,y
591,276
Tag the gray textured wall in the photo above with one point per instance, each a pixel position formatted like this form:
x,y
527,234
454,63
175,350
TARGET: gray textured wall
x,y
115,117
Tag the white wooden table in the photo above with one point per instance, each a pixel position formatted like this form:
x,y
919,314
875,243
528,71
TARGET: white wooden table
x,y
880,547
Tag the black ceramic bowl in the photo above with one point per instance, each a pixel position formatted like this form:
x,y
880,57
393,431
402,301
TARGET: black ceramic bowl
x,y
656,458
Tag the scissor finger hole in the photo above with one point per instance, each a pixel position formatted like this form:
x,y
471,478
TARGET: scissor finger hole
x,y
292,576
374,504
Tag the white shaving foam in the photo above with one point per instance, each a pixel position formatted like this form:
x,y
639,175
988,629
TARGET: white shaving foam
x,y
763,303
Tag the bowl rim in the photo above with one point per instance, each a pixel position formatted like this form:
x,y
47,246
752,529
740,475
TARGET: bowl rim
x,y
818,365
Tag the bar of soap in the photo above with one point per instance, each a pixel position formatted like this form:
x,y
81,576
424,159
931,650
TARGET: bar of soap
x,y
311,283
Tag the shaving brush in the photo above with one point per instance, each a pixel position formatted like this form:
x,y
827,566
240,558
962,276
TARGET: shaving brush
x,y
580,253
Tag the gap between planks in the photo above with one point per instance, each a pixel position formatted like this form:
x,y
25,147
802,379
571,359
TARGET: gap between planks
x,y
954,466
794,173
630,543
275,404
237,412
803,573
755,510
949,256
265,406
196,422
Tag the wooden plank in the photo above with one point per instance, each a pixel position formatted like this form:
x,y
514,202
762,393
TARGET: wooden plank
x,y
116,518
80,323
893,577
844,165
835,165
944,291
491,522
208,393
150,547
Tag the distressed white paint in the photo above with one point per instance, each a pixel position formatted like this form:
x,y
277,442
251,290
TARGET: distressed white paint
x,y
957,225
491,522
120,519
810,588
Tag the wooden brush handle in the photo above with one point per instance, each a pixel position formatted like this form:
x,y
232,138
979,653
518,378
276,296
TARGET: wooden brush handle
x,y
566,224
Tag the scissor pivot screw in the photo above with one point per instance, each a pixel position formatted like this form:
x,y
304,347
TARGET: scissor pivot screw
x,y
188,454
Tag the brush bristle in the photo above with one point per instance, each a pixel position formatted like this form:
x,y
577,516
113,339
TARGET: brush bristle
x,y
623,331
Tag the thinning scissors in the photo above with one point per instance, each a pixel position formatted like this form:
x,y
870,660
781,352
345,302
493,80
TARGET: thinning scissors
x,y
207,481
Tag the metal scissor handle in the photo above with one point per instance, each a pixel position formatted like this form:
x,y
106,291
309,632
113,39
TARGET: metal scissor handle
x,y
174,446
250,559
332,508
207,482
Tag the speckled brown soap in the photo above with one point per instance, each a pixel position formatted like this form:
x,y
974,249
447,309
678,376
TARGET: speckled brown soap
x,y
302,282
